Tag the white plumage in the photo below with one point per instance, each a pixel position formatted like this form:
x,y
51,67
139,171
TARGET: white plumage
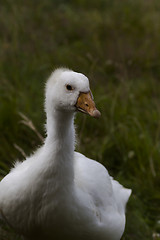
x,y
58,193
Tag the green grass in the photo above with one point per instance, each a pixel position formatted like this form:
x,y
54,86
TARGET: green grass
x,y
116,44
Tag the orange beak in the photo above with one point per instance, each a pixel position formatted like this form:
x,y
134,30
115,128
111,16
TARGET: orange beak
x,y
86,105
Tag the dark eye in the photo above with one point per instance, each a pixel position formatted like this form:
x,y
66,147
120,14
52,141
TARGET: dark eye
x,y
69,87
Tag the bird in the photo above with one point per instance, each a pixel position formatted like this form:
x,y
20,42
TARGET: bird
x,y
57,193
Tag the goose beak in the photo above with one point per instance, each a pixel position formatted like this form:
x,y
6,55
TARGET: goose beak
x,y
86,104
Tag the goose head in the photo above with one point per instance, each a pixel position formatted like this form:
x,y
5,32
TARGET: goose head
x,y
69,91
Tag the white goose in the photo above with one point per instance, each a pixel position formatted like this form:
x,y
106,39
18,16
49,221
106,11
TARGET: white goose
x,y
58,193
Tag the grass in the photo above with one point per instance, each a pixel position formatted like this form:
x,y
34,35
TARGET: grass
x,y
116,44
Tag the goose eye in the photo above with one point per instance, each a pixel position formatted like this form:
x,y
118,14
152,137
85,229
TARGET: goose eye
x,y
69,87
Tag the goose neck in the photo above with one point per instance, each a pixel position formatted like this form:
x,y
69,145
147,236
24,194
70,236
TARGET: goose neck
x,y
59,148
60,131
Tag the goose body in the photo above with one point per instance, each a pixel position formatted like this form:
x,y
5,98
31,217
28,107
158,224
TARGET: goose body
x,y
58,193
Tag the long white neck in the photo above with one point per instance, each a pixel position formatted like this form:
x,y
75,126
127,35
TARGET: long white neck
x,y
60,143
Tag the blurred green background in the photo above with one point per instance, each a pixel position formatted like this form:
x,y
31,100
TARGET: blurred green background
x,y
117,45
